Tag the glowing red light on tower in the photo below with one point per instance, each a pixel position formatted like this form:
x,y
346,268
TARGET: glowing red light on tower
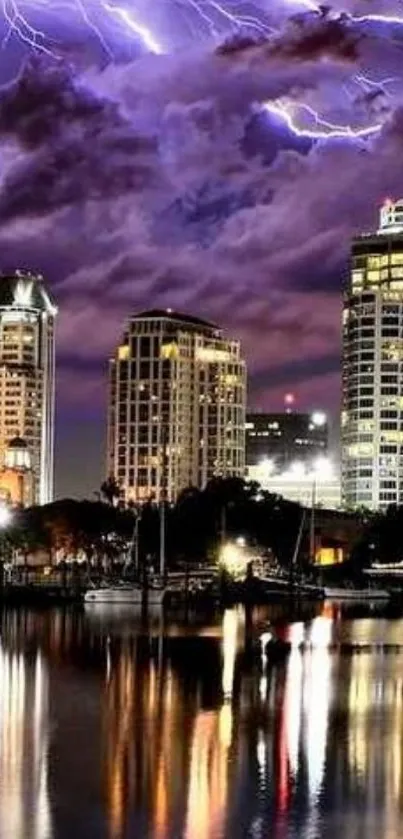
x,y
289,400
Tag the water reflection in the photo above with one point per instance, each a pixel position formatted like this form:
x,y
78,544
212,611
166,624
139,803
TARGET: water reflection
x,y
24,797
117,729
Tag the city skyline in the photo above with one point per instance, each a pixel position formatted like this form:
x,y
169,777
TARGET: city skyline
x,y
198,179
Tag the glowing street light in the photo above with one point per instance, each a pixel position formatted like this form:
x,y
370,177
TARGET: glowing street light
x,y
322,467
297,469
267,463
232,559
5,516
318,419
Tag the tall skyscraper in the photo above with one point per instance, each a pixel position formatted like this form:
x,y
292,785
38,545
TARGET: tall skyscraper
x,y
372,410
27,375
176,405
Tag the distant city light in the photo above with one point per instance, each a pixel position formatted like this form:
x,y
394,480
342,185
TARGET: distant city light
x,y
323,467
5,516
319,419
267,463
297,469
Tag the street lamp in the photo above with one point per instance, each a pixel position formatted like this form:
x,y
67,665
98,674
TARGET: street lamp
x,y
319,419
5,516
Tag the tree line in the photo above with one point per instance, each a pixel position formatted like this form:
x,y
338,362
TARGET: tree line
x,y
105,530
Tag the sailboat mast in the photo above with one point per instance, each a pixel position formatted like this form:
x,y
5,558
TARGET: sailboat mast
x,y
312,524
299,539
162,537
163,503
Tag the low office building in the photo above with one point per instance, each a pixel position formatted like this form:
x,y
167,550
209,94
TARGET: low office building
x,y
283,438
305,486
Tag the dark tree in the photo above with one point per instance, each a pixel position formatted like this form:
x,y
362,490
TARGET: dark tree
x,y
110,490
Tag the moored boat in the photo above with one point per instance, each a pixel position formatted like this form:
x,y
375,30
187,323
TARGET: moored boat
x,y
123,592
116,593
332,593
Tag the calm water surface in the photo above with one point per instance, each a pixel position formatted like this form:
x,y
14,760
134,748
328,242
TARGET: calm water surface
x,y
174,730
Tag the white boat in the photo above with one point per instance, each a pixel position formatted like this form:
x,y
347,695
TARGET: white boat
x,y
119,593
125,593
356,594
155,595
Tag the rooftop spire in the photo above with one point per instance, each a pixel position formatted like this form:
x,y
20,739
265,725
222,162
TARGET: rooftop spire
x,y
391,216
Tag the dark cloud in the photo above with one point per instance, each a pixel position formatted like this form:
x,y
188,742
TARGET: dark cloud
x,y
80,148
44,102
316,36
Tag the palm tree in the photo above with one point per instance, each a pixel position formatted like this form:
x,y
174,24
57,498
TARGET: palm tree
x,y
110,490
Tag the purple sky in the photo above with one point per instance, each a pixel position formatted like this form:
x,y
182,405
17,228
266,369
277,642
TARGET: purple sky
x,y
158,180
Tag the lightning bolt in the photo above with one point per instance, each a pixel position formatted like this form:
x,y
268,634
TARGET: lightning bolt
x,y
324,128
142,32
18,25
368,84
214,16
239,21
209,11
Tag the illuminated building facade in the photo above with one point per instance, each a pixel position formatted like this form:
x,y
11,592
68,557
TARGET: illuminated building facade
x,y
284,438
300,485
177,393
372,411
16,478
27,375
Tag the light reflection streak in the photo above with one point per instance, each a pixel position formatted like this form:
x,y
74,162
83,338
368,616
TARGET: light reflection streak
x,y
317,696
375,708
120,696
232,621
306,706
208,779
293,708
23,746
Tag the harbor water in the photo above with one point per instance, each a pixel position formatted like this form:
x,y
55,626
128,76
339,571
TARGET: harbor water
x,y
116,727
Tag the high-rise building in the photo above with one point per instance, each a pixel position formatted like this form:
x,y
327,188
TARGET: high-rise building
x,y
176,406
372,410
286,438
27,375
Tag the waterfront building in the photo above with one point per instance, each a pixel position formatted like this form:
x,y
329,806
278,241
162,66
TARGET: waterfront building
x,y
305,484
176,416
16,477
27,377
372,409
283,438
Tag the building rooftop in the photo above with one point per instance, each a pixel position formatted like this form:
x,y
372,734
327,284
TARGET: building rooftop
x,y
25,291
17,443
170,314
